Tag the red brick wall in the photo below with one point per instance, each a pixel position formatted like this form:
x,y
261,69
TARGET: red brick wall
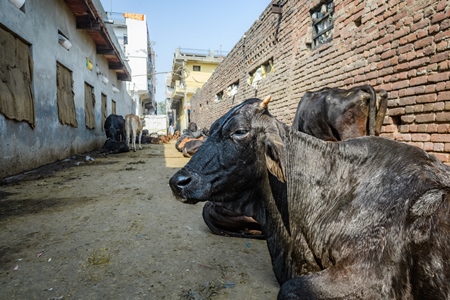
x,y
400,46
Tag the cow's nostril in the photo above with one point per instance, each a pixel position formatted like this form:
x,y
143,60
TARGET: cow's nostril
x,y
182,181
178,182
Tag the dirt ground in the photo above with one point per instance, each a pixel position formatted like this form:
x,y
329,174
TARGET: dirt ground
x,y
109,228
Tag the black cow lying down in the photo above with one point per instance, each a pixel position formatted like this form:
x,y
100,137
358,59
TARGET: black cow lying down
x,y
334,114
366,218
330,114
113,147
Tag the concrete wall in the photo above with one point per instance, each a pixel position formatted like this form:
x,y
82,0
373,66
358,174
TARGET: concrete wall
x,y
23,148
400,46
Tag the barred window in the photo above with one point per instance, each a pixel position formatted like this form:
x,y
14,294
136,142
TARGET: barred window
x,y
322,24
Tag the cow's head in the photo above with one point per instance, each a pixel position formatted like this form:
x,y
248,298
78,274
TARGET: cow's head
x,y
233,162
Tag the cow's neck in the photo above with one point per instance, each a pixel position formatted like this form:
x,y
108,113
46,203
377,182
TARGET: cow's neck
x,y
290,255
314,172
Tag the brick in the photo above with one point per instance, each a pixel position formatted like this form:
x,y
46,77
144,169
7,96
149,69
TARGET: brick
x,y
402,137
428,107
443,66
404,129
442,46
436,137
429,50
401,32
440,86
438,77
408,119
433,29
400,84
432,70
438,147
419,25
441,5
413,128
396,111
426,118
417,17
428,146
410,91
420,137
406,101
409,110
440,57
438,17
442,35
443,116
439,106
420,89
419,62
426,98
432,128
423,42
431,88
422,128
443,128
390,128
387,54
418,80
443,96
401,67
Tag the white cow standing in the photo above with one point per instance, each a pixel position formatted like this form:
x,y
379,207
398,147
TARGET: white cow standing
x,y
133,127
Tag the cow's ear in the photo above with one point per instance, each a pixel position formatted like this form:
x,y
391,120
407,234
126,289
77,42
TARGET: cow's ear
x,y
275,156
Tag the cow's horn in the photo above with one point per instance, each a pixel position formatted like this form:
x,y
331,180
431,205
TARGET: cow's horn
x,y
265,102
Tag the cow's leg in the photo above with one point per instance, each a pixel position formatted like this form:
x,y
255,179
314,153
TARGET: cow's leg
x,y
140,137
134,140
334,284
128,136
222,221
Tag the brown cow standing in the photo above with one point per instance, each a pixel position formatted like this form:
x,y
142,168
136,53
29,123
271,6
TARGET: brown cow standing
x,y
133,127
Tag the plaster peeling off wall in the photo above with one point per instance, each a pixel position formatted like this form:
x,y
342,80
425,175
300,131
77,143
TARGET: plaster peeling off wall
x,y
16,69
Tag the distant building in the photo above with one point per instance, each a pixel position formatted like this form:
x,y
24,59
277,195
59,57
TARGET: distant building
x,y
62,72
191,68
133,35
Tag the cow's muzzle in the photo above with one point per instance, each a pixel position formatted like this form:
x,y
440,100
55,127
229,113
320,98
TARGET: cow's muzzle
x,y
188,188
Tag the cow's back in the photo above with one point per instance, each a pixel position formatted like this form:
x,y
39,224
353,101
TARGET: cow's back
x,y
334,114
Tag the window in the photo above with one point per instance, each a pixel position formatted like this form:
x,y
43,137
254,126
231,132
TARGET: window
x,y
232,89
261,72
196,68
218,97
322,24
103,110
89,106
16,65
65,96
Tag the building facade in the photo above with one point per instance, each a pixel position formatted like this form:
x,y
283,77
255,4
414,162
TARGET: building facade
x,y
133,35
191,68
62,73
297,46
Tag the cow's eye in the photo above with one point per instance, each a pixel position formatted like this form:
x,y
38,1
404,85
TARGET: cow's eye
x,y
240,133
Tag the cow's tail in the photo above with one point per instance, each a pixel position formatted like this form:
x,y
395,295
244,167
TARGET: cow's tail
x,y
372,109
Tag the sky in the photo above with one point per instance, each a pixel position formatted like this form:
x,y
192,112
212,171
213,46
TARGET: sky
x,y
192,24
